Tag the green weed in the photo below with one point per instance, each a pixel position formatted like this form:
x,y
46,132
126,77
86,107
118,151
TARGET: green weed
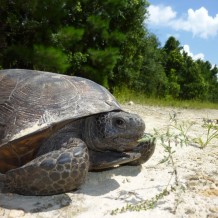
x,y
176,133
211,134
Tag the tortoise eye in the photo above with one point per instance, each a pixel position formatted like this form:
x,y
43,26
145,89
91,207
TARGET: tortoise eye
x,y
120,123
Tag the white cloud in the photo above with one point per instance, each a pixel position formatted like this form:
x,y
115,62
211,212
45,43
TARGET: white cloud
x,y
160,14
186,48
199,22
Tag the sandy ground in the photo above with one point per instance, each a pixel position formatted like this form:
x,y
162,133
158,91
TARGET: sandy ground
x,y
196,194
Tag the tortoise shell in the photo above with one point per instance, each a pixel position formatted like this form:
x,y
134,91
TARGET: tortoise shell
x,y
35,104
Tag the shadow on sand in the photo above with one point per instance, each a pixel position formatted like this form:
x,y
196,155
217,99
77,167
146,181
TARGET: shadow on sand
x,y
97,184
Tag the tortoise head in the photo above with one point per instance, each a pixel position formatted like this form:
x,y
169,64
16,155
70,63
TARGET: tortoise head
x,y
118,131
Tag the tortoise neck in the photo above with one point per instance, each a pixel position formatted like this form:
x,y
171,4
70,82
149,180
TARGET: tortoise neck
x,y
89,134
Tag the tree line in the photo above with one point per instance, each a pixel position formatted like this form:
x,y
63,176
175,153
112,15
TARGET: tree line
x,y
106,41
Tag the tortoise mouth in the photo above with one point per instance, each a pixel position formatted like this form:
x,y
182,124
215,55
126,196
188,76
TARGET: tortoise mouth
x,y
125,144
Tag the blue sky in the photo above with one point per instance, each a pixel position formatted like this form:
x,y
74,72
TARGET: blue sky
x,y
193,22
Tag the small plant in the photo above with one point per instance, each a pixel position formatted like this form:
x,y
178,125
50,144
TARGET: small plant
x,y
176,133
212,133
182,129
144,205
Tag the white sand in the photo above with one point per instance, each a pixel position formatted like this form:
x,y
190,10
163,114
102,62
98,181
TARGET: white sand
x,y
196,195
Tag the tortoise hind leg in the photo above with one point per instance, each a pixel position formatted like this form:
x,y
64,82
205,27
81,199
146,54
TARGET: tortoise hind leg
x,y
52,173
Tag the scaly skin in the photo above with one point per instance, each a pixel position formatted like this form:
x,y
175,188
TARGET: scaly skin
x,y
55,172
95,143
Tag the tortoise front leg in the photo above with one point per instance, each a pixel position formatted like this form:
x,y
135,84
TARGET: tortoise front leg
x,y
52,173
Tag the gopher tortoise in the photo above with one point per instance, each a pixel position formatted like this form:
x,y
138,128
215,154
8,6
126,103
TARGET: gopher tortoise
x,y
55,128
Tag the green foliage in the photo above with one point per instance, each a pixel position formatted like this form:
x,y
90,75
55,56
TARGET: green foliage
x,y
188,79
106,41
27,35
101,65
156,84
50,59
68,36
172,45
123,94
